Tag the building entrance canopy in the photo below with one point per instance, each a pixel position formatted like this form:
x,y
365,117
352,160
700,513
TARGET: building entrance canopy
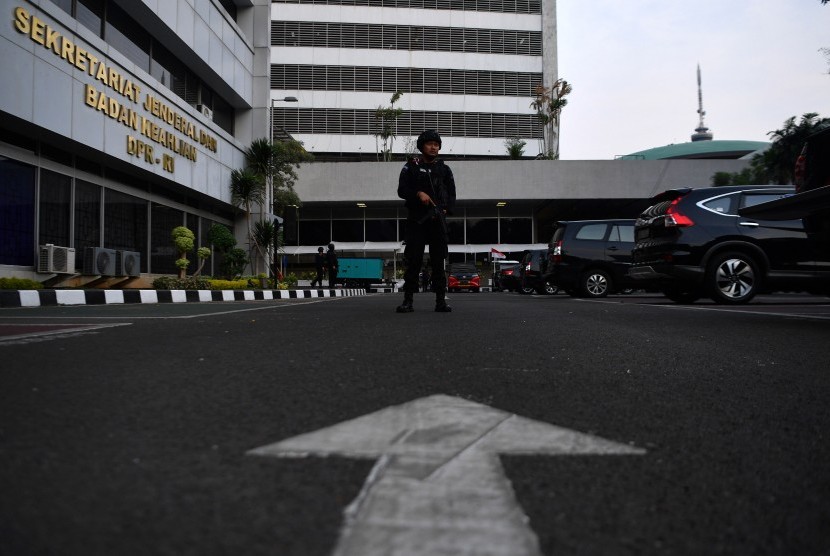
x,y
376,247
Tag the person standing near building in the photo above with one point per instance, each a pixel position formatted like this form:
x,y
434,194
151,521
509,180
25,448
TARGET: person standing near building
x,y
331,264
319,266
427,187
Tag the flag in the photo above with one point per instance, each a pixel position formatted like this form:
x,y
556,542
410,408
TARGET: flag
x,y
496,254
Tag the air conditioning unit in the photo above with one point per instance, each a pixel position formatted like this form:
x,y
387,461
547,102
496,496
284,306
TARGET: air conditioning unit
x,y
55,259
205,110
128,263
99,261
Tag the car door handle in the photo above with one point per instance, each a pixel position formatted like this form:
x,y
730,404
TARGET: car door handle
x,y
750,224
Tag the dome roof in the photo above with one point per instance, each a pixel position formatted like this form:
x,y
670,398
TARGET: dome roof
x,y
700,149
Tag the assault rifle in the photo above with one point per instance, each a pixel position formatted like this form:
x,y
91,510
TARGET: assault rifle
x,y
436,213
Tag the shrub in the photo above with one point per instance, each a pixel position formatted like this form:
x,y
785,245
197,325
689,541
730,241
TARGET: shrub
x,y
183,239
19,284
235,262
228,284
174,283
221,238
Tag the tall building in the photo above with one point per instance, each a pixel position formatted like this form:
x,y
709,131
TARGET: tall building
x,y
120,120
467,68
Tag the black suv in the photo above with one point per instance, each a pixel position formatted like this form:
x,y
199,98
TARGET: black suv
x,y
532,272
590,258
693,242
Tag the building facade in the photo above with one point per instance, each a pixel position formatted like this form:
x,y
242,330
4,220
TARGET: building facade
x,y
467,68
122,119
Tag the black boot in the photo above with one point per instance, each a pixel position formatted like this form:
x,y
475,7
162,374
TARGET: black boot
x,y
441,302
406,306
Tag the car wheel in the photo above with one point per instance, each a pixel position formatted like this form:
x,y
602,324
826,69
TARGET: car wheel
x,y
680,294
547,289
595,284
732,278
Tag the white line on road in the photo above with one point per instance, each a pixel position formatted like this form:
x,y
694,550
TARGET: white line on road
x,y
718,309
293,303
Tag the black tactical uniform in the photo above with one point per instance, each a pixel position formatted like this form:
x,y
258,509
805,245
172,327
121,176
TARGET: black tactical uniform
x,y
424,226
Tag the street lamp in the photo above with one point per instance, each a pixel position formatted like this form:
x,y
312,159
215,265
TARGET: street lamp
x,y
269,194
273,100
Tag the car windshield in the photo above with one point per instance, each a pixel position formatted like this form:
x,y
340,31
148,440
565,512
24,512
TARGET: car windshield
x,y
463,268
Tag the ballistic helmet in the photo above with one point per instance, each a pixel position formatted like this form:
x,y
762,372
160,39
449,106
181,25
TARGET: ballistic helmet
x,y
428,135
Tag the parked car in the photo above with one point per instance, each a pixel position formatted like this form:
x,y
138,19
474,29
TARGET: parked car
x,y
693,243
463,276
507,277
590,258
531,273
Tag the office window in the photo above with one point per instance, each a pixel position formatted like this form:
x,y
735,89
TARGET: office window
x,y
91,14
54,208
502,6
455,230
65,5
516,230
230,7
17,213
347,230
168,70
482,230
381,230
393,37
363,122
314,232
125,223
87,219
163,253
130,39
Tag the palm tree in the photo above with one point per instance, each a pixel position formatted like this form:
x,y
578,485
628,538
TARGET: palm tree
x,y
548,103
778,162
247,189
386,118
274,165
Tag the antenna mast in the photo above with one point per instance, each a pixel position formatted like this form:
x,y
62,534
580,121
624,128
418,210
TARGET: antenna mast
x,y
701,132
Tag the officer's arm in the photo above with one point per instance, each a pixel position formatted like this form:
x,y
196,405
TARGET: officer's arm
x,y
407,184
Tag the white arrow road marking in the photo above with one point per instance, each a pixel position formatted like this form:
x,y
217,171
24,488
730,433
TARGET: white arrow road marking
x,y
438,488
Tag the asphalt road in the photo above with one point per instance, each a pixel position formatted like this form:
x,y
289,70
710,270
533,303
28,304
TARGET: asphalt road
x,y
132,438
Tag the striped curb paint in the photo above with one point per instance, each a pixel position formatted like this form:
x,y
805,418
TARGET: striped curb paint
x,y
47,298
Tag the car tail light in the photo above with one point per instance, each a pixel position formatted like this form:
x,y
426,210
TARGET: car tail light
x,y
476,280
676,219
508,273
453,281
557,252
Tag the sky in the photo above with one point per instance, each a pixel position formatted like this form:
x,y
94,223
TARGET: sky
x,y
633,68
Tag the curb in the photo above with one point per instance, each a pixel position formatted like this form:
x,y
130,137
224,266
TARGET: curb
x,y
46,298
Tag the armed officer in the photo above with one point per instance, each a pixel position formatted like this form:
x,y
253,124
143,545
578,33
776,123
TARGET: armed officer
x,y
427,186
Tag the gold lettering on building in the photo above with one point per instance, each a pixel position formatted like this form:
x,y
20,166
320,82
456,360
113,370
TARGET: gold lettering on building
x,y
77,56
110,106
